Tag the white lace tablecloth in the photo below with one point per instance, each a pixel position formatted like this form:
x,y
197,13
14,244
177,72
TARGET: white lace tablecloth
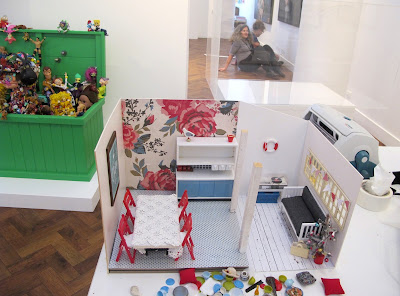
x,y
156,222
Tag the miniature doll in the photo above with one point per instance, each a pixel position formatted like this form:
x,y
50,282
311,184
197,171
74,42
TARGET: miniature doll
x,y
58,85
3,52
91,76
77,87
38,45
26,37
102,89
89,26
47,82
63,26
97,27
81,109
4,22
88,97
45,110
9,30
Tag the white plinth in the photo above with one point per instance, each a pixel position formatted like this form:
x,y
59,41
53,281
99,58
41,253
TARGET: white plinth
x,y
368,265
49,194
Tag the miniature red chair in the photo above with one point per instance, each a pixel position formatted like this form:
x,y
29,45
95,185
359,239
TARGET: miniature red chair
x,y
126,240
128,201
183,203
187,238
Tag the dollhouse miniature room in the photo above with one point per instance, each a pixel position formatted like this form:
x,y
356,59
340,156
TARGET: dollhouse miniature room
x,y
185,180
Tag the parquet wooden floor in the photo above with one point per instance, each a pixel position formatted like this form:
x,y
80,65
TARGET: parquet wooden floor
x,y
46,252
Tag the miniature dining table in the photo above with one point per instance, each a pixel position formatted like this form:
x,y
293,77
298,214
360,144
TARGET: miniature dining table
x,y
156,223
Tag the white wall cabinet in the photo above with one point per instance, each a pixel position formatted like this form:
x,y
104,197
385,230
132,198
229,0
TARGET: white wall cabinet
x,y
213,160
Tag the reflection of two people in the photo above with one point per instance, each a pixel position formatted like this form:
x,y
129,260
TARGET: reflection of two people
x,y
249,54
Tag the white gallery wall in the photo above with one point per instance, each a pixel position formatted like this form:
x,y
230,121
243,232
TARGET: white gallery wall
x,y
327,37
198,19
199,14
146,52
374,80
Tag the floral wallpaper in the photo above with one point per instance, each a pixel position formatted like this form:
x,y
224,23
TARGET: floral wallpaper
x,y
150,128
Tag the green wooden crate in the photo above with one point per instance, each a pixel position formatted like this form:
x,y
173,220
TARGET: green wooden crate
x,y
55,147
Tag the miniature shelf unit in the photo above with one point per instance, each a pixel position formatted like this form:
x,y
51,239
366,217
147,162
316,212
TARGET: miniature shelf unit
x,y
213,160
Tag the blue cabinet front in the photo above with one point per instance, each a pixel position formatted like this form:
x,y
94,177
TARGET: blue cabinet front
x,y
220,188
192,188
206,188
223,188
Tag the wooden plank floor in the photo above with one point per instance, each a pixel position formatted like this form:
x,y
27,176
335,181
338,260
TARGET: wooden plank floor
x,y
46,252
270,241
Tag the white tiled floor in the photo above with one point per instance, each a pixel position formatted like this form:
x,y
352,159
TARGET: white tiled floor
x,y
270,241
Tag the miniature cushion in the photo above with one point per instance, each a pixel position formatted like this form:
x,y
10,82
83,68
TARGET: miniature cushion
x,y
297,211
312,205
332,286
187,276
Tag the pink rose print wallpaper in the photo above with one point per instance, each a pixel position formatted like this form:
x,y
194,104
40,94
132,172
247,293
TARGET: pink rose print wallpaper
x,y
151,126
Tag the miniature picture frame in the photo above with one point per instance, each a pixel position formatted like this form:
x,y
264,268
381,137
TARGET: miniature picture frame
x,y
113,166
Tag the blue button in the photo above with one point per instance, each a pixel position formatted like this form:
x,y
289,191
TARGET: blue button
x,y
170,282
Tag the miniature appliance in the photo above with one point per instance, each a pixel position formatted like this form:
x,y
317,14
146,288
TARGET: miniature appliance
x,y
354,142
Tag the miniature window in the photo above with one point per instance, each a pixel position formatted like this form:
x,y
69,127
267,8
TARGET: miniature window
x,y
328,191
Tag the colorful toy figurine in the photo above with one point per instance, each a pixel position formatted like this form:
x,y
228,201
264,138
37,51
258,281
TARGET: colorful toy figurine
x,y
58,85
3,51
47,88
9,30
88,97
81,109
77,87
63,26
4,22
38,45
26,37
27,73
61,105
89,26
97,27
91,75
102,89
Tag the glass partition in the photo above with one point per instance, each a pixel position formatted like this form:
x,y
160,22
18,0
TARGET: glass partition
x,y
340,53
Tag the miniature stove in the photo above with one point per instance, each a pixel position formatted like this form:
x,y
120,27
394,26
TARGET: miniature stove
x,y
272,182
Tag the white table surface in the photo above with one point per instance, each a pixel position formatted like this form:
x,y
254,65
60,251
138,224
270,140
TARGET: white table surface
x,y
156,222
368,265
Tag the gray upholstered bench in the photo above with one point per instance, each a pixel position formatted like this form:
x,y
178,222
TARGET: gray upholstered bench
x,y
301,211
